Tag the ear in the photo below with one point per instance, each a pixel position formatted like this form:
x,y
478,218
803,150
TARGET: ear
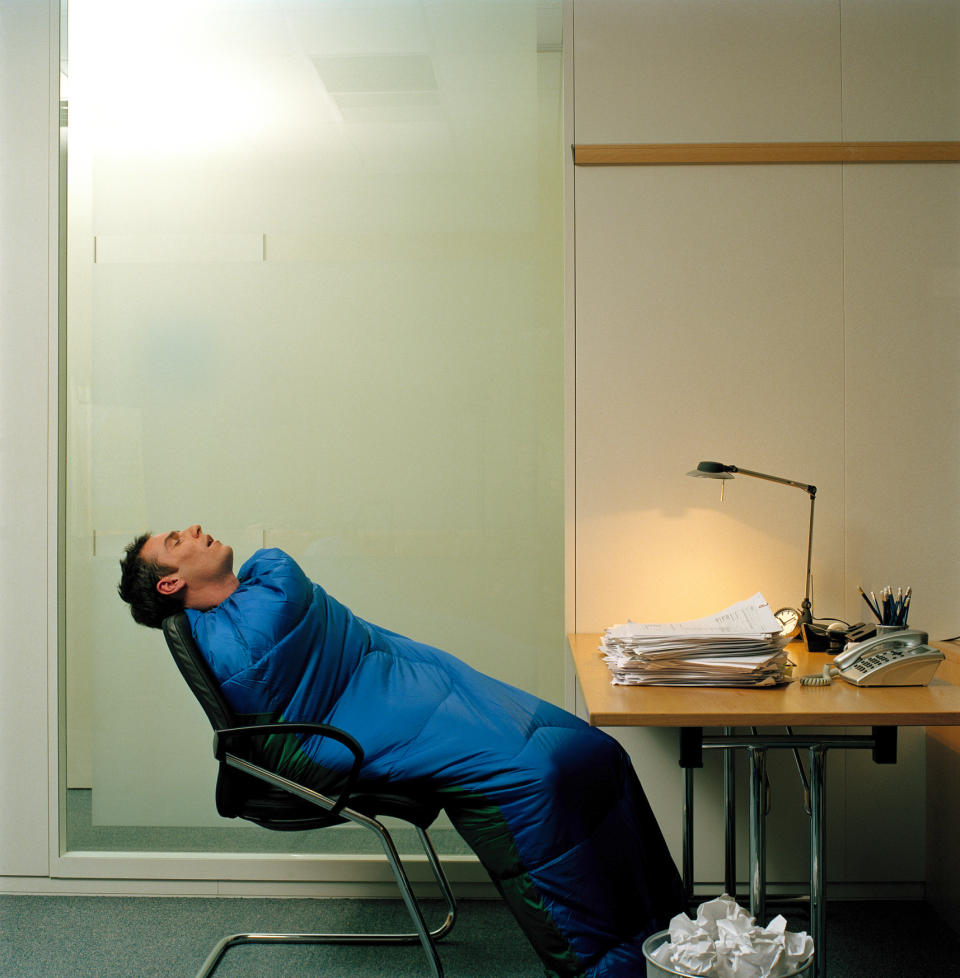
x,y
170,585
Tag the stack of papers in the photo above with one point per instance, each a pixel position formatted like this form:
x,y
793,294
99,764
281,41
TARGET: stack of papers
x,y
739,646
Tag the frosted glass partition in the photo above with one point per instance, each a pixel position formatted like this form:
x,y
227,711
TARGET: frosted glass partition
x,y
315,303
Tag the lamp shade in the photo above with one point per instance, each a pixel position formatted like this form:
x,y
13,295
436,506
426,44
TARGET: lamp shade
x,y
713,470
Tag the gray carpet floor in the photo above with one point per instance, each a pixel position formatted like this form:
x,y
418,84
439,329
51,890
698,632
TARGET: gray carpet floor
x,y
147,937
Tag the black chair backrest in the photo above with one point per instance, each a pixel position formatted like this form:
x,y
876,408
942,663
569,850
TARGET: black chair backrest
x,y
194,669
237,794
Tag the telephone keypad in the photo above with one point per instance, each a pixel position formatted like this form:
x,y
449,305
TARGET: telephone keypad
x,y
879,659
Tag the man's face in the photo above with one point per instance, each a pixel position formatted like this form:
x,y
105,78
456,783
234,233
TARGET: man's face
x,y
194,557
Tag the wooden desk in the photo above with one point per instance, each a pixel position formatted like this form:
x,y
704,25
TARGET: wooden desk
x,y
837,705
692,708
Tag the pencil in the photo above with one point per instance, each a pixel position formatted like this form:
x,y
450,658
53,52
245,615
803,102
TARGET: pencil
x,y
863,595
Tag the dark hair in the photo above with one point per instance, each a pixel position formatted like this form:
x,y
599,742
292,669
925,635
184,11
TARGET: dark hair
x,y
138,587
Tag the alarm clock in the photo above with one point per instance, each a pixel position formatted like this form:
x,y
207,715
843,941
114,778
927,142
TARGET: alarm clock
x,y
789,619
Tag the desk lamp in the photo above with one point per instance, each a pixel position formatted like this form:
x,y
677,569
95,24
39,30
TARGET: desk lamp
x,y
717,470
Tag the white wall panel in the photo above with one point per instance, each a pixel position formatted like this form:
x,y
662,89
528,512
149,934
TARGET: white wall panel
x,y
708,311
26,114
901,69
651,71
902,324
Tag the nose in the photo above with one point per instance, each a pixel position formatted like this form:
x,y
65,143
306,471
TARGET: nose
x,y
194,530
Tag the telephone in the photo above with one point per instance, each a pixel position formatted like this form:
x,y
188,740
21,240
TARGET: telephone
x,y
900,659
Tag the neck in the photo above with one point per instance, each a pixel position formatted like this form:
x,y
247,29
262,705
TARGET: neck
x,y
212,593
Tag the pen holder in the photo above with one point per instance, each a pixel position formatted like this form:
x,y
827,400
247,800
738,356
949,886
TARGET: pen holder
x,y
890,629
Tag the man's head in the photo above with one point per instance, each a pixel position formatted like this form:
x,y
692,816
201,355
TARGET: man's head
x,y
166,572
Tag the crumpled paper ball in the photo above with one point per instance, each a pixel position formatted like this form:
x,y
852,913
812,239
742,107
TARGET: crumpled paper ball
x,y
724,941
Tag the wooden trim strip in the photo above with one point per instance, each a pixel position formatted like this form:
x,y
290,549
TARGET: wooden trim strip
x,y
653,154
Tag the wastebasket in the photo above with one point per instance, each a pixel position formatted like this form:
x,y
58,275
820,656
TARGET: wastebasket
x,y
655,970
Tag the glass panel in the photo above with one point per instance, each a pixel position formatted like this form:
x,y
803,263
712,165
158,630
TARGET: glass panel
x,y
314,302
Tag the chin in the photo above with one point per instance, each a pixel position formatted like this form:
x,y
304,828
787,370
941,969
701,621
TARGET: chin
x,y
226,558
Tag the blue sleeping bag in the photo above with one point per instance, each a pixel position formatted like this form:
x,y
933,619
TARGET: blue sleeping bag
x,y
551,806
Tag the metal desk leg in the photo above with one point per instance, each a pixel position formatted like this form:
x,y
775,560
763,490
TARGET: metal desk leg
x,y
691,756
730,809
758,834
818,758
687,818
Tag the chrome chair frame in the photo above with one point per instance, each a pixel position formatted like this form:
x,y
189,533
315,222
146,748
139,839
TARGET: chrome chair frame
x,y
422,933
359,807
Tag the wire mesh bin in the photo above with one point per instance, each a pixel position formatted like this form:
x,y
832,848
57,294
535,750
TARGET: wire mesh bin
x,y
655,970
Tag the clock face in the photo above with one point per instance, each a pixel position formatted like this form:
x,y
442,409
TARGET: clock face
x,y
789,619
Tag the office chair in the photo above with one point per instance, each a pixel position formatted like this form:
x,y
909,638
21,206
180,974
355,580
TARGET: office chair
x,y
247,789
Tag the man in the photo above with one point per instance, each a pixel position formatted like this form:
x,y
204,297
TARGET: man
x,y
551,806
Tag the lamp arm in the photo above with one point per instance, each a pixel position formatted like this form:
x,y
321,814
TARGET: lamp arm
x,y
812,490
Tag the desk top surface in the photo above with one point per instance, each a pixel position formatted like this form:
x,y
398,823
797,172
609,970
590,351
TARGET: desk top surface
x,y
837,705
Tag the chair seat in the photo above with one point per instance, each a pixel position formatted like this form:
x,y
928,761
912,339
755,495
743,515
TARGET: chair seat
x,y
275,809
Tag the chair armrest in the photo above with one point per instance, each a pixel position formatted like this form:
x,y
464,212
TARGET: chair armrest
x,y
222,737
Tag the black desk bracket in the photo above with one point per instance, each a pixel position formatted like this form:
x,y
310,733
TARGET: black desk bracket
x,y
885,745
691,747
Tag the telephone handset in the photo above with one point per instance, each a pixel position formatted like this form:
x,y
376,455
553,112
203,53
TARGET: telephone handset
x,y
900,659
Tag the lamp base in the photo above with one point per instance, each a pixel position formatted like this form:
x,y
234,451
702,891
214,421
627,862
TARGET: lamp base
x,y
816,637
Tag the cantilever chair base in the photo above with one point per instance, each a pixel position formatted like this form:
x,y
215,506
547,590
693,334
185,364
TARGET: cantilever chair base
x,y
422,933
425,936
